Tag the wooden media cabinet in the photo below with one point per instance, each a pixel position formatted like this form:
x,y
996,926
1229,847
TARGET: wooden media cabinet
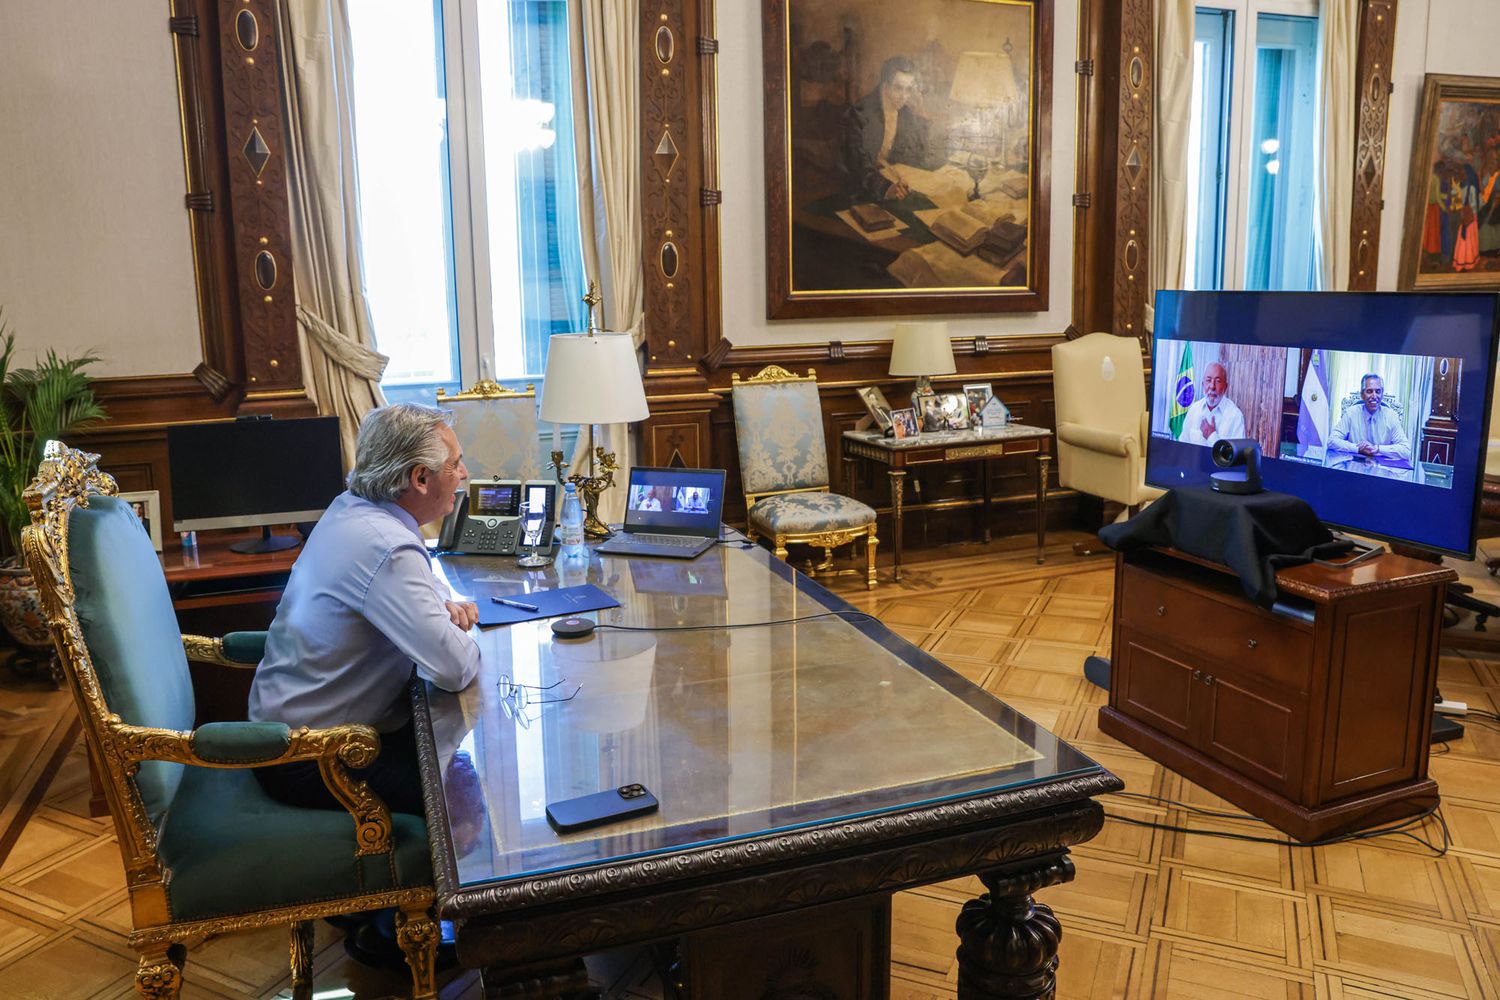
x,y
1317,719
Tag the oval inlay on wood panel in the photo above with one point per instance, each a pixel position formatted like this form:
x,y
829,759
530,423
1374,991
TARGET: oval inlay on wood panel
x,y
1137,72
666,45
247,30
669,259
1377,88
1132,255
265,270
1443,367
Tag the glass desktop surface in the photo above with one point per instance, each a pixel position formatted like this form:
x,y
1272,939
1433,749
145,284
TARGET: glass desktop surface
x,y
738,732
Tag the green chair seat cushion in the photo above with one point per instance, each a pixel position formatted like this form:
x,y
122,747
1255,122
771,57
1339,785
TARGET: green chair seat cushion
x,y
808,513
231,848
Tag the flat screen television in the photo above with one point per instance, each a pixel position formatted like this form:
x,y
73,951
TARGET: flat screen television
x,y
254,473
1371,406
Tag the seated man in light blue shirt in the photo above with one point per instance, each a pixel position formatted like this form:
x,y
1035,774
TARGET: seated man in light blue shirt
x,y
1369,438
362,608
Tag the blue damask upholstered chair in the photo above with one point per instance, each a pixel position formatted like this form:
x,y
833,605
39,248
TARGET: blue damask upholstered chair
x,y
496,427
778,424
206,851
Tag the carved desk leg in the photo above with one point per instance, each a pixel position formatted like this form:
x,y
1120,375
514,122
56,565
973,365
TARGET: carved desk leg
x,y
1008,941
898,484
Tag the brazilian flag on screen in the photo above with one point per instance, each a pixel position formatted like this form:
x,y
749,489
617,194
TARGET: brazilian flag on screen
x,y
1182,392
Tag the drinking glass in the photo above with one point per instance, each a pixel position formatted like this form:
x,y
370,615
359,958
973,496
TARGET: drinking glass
x,y
533,517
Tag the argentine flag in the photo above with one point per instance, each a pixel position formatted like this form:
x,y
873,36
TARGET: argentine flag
x,y
1313,414
1183,392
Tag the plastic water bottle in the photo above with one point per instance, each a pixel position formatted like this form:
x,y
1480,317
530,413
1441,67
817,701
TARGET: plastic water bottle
x,y
571,523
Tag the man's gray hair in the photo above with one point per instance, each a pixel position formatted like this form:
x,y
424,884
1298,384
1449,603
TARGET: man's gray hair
x,y
1368,376
393,440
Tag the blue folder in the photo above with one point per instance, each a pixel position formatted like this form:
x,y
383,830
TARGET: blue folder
x,y
549,604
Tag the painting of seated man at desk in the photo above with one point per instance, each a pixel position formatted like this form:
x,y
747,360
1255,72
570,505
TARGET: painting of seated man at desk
x,y
908,166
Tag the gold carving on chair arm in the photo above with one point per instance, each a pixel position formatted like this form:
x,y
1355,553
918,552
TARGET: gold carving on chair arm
x,y
486,388
773,373
336,749
207,649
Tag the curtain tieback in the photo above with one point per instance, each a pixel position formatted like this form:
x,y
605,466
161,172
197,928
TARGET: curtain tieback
x,y
341,349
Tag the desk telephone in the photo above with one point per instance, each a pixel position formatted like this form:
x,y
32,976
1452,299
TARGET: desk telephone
x,y
486,518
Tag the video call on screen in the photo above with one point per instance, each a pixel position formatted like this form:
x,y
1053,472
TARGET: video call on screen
x,y
671,499
1389,416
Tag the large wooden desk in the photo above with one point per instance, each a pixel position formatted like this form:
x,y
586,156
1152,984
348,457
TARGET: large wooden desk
x,y
899,454
806,773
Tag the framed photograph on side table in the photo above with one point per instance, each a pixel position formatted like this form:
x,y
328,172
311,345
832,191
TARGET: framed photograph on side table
x,y
147,507
904,422
879,407
977,393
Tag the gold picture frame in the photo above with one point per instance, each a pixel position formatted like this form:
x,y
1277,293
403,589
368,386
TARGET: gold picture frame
x,y
948,216
1451,236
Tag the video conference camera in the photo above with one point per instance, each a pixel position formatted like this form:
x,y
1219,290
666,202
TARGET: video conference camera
x,y
1241,457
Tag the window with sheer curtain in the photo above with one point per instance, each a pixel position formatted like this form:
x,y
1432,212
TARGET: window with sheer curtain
x,y
1251,213
468,187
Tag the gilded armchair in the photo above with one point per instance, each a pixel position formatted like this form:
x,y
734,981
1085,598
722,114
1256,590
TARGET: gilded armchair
x,y
496,427
205,850
778,426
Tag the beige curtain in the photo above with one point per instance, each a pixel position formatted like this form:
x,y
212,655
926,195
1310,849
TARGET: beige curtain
x,y
1169,141
341,367
606,94
1338,29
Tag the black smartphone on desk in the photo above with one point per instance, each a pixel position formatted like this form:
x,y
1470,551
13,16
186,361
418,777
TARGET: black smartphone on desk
x,y
601,807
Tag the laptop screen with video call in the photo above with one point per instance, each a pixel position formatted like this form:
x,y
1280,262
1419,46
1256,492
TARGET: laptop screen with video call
x,y
675,501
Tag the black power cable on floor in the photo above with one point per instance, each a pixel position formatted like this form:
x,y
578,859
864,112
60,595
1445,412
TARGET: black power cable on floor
x,y
1401,829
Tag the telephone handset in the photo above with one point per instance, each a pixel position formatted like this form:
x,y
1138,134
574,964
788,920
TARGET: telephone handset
x,y
486,520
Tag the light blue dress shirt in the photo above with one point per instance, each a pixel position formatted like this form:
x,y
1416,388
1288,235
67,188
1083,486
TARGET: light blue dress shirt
x,y
361,607
1382,429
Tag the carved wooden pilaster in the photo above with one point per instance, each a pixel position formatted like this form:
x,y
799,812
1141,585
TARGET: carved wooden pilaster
x,y
1377,43
257,196
1133,166
680,200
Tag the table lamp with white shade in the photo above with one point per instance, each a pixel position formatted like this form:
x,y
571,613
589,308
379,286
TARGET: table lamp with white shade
x,y
922,350
593,378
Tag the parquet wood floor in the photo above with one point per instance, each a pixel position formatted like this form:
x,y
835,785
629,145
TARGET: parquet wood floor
x,y
1150,914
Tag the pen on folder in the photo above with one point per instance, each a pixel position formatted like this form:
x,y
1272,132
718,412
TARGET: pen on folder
x,y
514,604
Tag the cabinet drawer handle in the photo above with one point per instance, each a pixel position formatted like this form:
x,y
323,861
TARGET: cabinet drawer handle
x,y
1253,644
1161,610
1197,675
1208,679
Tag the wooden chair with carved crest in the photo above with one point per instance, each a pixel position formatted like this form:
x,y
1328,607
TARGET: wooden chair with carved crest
x,y
206,851
778,425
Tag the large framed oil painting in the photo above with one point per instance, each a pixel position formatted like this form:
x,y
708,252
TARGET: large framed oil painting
x,y
907,156
1452,231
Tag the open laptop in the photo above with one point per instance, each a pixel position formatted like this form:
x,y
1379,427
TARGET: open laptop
x,y
670,512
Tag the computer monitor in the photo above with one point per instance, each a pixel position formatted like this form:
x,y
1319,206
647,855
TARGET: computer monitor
x,y
254,473
1371,406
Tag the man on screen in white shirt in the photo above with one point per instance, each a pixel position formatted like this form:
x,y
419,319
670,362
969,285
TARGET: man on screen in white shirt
x,y
1213,415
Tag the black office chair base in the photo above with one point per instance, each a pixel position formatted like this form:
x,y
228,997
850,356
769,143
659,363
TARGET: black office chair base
x,y
1096,671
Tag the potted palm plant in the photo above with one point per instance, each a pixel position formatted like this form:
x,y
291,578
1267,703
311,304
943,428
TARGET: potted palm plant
x,y
52,398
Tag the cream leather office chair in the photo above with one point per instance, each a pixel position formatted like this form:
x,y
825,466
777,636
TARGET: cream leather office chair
x,y
496,427
1099,388
1099,385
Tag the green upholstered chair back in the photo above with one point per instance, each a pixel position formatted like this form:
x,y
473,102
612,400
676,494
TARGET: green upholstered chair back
x,y
131,630
497,430
778,424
